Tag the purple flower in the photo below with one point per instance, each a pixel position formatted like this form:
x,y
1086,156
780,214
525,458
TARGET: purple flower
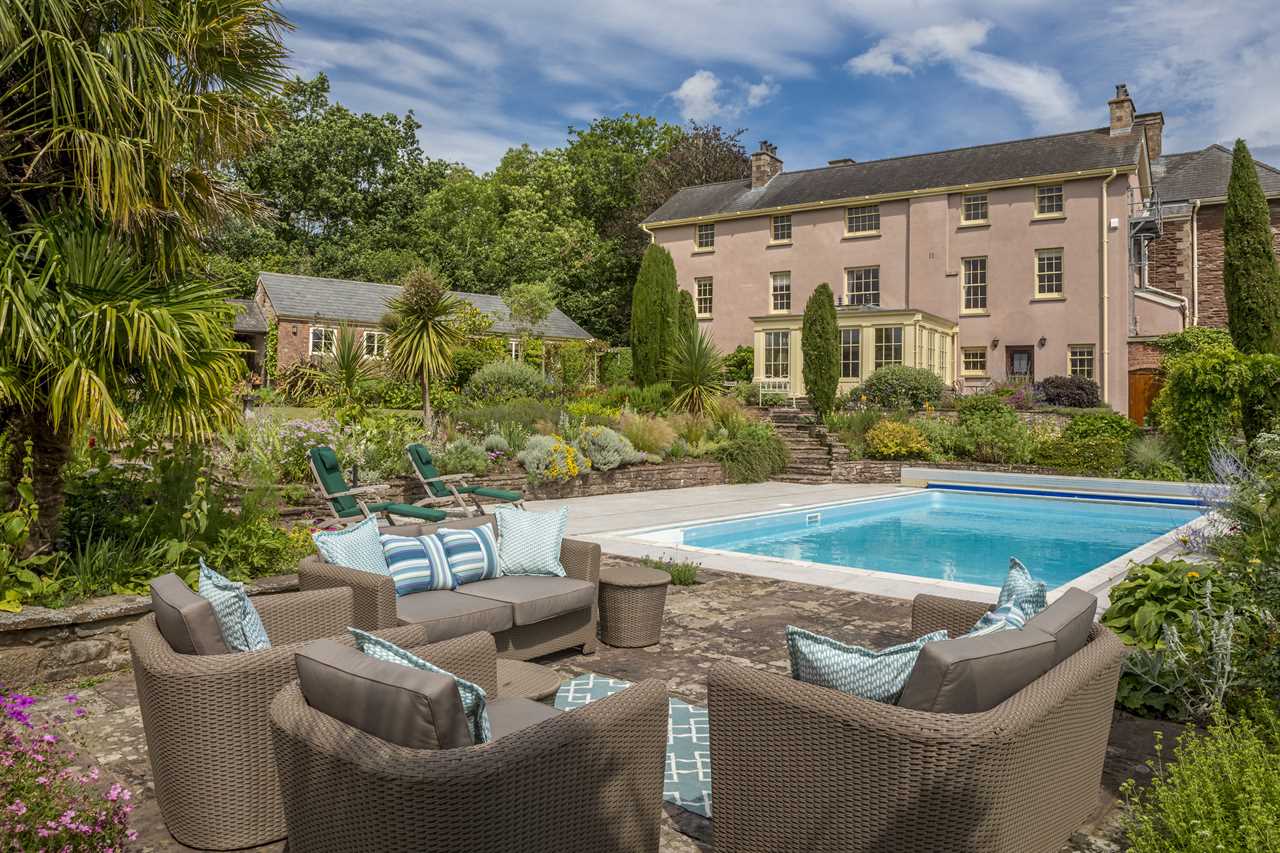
x,y
18,807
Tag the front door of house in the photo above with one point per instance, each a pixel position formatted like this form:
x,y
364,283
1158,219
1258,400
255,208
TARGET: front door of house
x,y
1021,364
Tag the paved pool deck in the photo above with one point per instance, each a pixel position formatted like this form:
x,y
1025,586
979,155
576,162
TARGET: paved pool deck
x,y
618,522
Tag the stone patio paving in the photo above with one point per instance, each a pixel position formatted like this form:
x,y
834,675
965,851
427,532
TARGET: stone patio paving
x,y
725,617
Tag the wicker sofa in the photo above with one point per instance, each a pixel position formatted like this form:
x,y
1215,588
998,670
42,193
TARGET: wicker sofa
x,y
804,768
205,718
528,616
587,780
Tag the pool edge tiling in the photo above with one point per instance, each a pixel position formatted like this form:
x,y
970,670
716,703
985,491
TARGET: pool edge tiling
x,y
666,541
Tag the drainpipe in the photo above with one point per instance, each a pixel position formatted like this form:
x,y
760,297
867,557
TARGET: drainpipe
x,y
1106,292
1195,263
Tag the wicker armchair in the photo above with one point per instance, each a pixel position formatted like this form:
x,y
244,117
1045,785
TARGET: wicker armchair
x,y
375,598
205,719
804,768
588,780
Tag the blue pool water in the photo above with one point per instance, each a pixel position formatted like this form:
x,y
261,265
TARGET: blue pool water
x,y
956,536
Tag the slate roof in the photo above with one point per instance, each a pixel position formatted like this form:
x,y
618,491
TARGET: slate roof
x,y
1023,158
249,319
304,297
1203,174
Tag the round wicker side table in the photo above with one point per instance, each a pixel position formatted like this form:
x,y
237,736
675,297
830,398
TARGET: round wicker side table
x,y
632,599
517,678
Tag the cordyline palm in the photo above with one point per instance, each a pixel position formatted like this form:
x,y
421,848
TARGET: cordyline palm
x,y
423,329
696,369
347,372
88,336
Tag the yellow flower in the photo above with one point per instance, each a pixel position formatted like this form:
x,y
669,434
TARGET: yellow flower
x,y
1193,575
1255,561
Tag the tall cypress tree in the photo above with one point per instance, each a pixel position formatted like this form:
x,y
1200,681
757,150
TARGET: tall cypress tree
x,y
653,315
1251,277
688,315
1249,270
820,347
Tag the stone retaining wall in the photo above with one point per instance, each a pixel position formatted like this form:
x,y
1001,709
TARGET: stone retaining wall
x,y
91,638
632,478
881,471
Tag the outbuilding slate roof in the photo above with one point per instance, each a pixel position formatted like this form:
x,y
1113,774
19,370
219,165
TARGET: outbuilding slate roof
x,y
1084,150
306,297
249,319
1203,174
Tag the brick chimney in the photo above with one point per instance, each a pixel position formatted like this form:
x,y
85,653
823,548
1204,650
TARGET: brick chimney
x,y
1121,107
1152,125
764,164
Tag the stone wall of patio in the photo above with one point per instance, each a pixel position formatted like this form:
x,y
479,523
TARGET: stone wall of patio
x,y
86,639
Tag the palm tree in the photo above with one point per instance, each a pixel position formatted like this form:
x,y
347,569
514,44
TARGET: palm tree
x,y
696,369
126,109
89,335
116,116
424,328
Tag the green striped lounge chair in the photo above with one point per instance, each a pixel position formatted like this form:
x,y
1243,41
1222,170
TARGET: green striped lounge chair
x,y
454,485
350,504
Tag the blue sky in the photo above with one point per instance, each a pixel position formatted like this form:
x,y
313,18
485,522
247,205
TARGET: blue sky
x,y
819,78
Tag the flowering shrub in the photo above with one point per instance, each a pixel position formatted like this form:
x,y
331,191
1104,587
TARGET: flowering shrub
x,y
462,456
606,449
550,457
47,802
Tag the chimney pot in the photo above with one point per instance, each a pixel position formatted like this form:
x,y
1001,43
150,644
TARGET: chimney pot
x,y
764,164
1121,109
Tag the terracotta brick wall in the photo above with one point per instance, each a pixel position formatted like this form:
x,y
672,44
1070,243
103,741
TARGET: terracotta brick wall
x,y
1143,355
1171,262
293,348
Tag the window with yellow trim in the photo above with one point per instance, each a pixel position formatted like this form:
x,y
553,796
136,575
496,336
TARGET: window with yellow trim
x,y
706,235
974,208
702,298
974,285
863,219
781,229
780,291
1049,200
1080,360
1048,272
888,348
973,361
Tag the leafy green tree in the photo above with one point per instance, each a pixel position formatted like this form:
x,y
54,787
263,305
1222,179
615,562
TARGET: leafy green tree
x,y
1250,275
117,116
820,347
696,369
653,309
688,315
425,326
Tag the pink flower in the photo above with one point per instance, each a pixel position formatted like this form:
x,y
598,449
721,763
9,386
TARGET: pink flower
x,y
71,698
18,807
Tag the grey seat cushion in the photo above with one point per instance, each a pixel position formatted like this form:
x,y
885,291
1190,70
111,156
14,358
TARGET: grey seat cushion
x,y
972,674
450,614
512,715
185,619
1068,621
400,704
535,598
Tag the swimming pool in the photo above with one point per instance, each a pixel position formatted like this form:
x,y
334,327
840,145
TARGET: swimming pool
x,y
948,535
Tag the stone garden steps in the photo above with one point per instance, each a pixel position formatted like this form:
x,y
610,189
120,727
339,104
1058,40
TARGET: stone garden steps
x,y
807,443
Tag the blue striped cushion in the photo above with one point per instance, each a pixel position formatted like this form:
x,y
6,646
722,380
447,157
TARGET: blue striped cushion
x,y
472,695
417,563
472,553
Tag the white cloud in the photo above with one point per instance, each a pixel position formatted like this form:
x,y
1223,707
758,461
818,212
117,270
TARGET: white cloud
x,y
702,97
1040,92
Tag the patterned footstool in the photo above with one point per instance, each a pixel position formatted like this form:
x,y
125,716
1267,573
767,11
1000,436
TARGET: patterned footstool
x,y
632,601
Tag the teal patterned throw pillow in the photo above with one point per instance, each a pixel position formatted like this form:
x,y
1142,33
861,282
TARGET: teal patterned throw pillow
x,y
881,675
356,547
472,552
238,619
472,695
529,542
1022,590
1007,616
